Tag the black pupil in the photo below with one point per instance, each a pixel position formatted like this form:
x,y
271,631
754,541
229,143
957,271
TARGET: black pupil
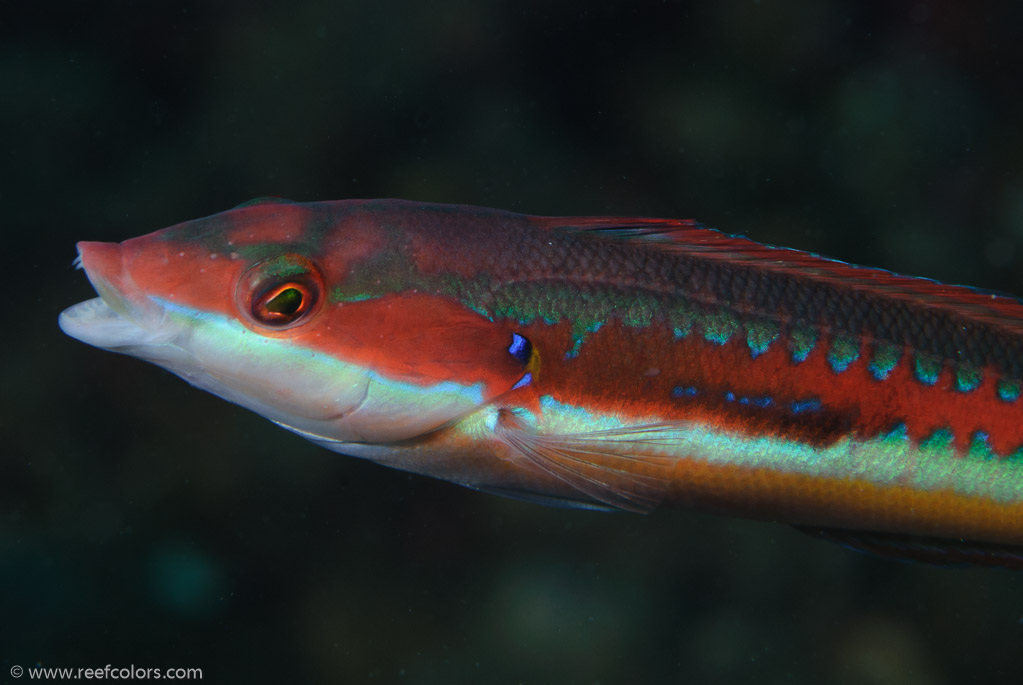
x,y
286,302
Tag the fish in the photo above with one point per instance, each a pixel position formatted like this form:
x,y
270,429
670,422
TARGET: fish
x,y
610,363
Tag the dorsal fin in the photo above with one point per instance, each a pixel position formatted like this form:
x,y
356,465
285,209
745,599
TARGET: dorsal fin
x,y
695,240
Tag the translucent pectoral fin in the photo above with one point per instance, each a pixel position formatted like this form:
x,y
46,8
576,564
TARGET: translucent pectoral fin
x,y
618,468
547,501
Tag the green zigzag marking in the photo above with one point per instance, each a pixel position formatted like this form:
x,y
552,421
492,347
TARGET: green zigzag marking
x,y
759,336
980,448
938,442
579,334
884,360
1008,390
386,274
681,319
719,327
802,340
898,435
968,378
284,266
844,351
926,369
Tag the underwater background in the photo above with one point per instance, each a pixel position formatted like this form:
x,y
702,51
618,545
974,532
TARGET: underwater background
x,y
145,522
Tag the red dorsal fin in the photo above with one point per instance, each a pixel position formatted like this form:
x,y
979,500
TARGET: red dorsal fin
x,y
695,240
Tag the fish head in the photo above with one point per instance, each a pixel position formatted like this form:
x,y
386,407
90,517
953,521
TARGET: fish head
x,y
258,305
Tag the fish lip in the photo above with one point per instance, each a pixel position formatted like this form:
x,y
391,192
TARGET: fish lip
x,y
95,322
122,316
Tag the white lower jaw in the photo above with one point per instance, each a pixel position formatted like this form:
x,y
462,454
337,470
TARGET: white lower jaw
x,y
94,322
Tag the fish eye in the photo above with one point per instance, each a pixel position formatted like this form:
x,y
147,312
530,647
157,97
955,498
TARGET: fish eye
x,y
280,293
282,305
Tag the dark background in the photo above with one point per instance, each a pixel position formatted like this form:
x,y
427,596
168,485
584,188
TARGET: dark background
x,y
144,522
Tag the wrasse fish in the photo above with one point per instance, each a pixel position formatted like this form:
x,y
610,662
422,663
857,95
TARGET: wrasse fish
x,y
596,362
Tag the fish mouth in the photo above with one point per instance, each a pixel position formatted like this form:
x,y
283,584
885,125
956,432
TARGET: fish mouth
x,y
122,318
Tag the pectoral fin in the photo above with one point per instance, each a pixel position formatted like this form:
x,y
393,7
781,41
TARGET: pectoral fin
x,y
616,468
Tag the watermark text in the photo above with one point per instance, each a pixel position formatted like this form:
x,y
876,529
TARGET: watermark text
x,y
108,672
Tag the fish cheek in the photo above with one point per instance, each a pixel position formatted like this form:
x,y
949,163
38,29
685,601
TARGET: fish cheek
x,y
423,340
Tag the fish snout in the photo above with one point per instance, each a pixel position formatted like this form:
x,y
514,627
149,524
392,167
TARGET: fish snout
x,y
104,266
123,315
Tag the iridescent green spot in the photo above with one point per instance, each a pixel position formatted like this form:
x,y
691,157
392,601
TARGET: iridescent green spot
x,y
388,273
897,435
719,328
980,448
480,310
257,251
573,352
1008,391
844,351
639,314
579,334
802,340
680,318
926,369
884,359
339,294
285,266
759,337
939,441
967,378
505,308
474,294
